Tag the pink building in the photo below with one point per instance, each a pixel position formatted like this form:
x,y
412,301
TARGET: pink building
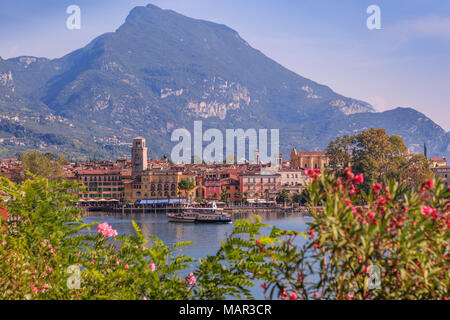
x,y
260,186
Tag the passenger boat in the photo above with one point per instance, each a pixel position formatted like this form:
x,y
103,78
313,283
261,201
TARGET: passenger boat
x,y
184,216
200,215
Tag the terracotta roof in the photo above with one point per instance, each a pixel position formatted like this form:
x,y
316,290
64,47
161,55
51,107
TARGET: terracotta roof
x,y
311,153
291,170
98,172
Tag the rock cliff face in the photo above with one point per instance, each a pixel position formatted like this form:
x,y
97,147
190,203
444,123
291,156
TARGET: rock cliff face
x,y
160,71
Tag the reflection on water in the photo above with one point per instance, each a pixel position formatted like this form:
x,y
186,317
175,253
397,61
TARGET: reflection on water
x,y
206,238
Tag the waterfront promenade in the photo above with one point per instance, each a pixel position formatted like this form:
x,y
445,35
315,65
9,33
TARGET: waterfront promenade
x,y
117,207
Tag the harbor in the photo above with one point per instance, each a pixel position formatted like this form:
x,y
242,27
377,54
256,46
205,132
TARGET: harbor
x,y
90,207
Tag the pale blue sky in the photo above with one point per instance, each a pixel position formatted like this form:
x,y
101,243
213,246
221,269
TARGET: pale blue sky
x,y
406,63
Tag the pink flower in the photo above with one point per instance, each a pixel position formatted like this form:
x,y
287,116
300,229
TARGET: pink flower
x,y
371,214
106,230
152,266
126,266
429,183
358,178
316,295
426,210
350,296
191,279
349,173
293,296
376,187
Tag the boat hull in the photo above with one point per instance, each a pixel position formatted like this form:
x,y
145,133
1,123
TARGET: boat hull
x,y
181,219
212,221
200,215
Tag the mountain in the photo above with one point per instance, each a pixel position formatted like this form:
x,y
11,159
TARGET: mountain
x,y
160,71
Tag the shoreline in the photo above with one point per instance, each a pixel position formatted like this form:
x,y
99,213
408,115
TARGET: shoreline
x,y
234,210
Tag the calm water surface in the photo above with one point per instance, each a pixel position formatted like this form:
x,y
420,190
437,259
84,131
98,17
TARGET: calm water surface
x,y
206,238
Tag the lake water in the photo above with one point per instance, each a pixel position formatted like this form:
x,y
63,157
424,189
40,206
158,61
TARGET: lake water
x,y
206,237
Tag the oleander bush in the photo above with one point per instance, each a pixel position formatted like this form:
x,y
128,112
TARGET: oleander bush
x,y
47,252
46,255
391,243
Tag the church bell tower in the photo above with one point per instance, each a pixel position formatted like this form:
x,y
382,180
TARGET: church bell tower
x,y
138,157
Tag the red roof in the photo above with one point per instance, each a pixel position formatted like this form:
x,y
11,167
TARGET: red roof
x,y
98,172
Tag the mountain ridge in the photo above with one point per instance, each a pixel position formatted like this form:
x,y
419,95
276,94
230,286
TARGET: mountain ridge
x,y
161,70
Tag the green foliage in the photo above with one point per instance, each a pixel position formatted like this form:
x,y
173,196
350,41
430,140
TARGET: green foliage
x,y
42,164
224,196
45,247
404,233
380,157
46,240
186,186
284,197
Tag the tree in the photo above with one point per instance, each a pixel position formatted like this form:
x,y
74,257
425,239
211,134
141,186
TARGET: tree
x,y
186,186
416,171
339,153
297,198
284,196
378,156
43,165
245,197
266,192
237,195
224,196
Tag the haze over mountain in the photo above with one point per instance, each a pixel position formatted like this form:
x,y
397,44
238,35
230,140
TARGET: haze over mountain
x,y
160,71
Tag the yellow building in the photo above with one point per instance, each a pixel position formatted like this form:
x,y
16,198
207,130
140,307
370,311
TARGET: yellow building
x,y
309,159
160,184
438,162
